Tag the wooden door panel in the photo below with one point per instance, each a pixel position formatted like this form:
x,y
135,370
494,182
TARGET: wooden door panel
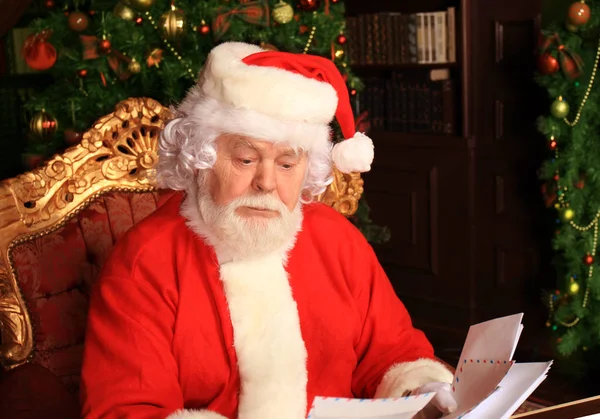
x,y
421,195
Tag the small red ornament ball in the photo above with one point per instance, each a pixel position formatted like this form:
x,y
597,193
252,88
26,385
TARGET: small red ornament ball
x,y
335,1
204,29
308,5
353,92
49,4
341,39
547,64
588,259
556,178
139,20
579,13
104,46
552,144
82,73
78,21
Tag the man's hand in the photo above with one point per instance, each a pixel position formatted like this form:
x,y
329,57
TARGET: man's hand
x,y
442,403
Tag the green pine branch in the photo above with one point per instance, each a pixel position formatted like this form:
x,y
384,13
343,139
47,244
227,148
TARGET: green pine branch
x,y
572,180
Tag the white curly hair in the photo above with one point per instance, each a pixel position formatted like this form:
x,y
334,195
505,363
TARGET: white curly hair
x,y
188,142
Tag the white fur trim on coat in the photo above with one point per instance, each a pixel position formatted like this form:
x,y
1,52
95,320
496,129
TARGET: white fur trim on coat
x,y
408,376
195,414
272,91
267,337
354,154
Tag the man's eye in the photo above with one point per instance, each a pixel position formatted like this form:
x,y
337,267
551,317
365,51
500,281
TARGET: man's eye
x,y
245,162
287,166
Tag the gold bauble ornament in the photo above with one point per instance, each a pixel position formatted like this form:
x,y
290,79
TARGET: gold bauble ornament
x,y
559,108
123,11
172,24
283,12
43,126
141,5
134,67
568,214
574,287
339,53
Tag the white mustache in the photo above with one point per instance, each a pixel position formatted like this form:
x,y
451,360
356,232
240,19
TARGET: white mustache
x,y
262,202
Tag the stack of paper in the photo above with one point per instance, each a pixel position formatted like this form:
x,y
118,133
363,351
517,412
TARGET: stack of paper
x,y
487,382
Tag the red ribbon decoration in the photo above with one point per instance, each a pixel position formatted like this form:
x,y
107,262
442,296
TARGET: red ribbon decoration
x,y
256,13
362,122
114,58
570,62
549,194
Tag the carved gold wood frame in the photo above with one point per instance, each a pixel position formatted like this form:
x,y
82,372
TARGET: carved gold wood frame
x,y
119,153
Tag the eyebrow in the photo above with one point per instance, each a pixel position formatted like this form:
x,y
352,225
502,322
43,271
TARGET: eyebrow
x,y
241,143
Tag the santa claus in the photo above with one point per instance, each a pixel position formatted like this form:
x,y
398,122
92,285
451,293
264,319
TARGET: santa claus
x,y
240,297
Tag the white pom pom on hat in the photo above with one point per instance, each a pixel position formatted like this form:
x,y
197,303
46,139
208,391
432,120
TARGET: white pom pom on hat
x,y
279,96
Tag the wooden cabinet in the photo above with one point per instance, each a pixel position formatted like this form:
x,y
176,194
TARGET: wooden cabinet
x,y
465,212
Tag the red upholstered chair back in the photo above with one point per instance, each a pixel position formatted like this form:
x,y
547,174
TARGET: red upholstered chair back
x,y
59,222
56,272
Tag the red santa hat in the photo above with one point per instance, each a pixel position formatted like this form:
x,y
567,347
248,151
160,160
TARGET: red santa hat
x,y
279,97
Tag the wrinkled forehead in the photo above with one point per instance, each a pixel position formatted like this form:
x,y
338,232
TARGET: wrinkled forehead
x,y
233,142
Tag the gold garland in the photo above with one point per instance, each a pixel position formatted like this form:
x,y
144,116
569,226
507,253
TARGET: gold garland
x,y
170,47
311,36
593,224
588,90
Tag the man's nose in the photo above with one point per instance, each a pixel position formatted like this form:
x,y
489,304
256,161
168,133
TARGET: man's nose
x,y
264,180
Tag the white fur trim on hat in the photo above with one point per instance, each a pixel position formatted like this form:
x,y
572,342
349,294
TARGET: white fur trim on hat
x,y
408,376
209,113
273,91
195,414
354,154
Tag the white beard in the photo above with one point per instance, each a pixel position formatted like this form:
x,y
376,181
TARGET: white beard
x,y
237,238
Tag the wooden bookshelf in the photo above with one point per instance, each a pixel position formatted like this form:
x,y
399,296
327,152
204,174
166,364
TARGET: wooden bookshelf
x,y
463,209
398,140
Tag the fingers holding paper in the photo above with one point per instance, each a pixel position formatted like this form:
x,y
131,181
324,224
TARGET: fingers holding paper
x,y
442,403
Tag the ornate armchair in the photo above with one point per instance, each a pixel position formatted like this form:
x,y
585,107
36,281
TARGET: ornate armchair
x,y
58,224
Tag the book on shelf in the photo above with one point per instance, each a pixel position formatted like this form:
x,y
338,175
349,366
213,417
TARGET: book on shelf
x,y
396,38
407,105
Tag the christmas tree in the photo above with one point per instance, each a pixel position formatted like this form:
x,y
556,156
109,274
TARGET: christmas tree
x,y
100,52
567,65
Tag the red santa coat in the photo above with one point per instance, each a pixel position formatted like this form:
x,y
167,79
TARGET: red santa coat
x,y
173,334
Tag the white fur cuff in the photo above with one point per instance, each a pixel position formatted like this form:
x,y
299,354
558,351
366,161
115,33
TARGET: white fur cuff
x,y
408,376
195,414
354,154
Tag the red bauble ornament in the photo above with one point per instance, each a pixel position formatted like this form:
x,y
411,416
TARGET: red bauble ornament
x,y
588,259
547,64
204,29
82,73
335,1
78,21
139,20
341,39
104,46
72,136
49,4
552,144
556,178
39,54
353,92
579,13
308,5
